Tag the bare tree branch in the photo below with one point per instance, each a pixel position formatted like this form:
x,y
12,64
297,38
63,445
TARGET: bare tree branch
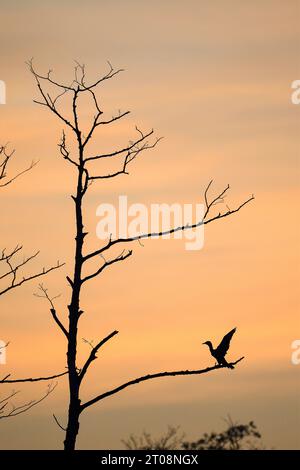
x,y
63,150
120,257
110,74
5,158
13,270
48,77
216,200
131,147
170,231
93,353
129,157
48,101
153,376
58,423
46,296
9,410
6,379
77,86
4,256
114,118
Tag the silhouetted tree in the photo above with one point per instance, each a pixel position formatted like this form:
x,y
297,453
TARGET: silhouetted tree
x,y
12,276
235,437
83,164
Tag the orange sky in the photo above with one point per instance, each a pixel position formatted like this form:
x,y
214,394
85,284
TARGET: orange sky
x,y
214,78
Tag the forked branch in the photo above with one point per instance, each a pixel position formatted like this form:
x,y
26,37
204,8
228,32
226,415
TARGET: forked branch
x,y
131,152
204,221
13,268
8,409
44,295
130,149
120,257
5,158
93,353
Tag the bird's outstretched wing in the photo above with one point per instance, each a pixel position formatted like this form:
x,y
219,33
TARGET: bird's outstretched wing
x,y
224,345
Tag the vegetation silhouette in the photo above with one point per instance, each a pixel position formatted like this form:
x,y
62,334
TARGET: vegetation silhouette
x,y
235,437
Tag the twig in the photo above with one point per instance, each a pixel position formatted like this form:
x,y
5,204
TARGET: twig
x,y
93,353
57,422
31,379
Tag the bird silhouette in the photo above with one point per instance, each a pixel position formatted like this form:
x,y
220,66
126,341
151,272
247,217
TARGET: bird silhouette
x,y
220,352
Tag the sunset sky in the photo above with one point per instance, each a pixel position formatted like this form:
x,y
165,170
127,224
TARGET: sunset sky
x,y
214,79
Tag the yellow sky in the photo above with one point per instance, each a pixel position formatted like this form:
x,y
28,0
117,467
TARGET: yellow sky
x,y
213,78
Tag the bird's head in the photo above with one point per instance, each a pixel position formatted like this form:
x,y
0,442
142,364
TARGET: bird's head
x,y
208,343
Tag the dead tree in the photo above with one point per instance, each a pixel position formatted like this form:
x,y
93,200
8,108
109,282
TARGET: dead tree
x,y
81,161
12,276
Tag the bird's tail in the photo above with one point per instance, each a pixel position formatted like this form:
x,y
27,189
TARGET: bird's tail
x,y
226,364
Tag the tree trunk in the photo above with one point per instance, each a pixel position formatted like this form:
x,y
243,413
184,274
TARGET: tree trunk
x,y
74,403
73,425
74,314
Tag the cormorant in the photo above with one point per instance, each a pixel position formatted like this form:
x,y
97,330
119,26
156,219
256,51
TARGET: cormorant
x,y
220,352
